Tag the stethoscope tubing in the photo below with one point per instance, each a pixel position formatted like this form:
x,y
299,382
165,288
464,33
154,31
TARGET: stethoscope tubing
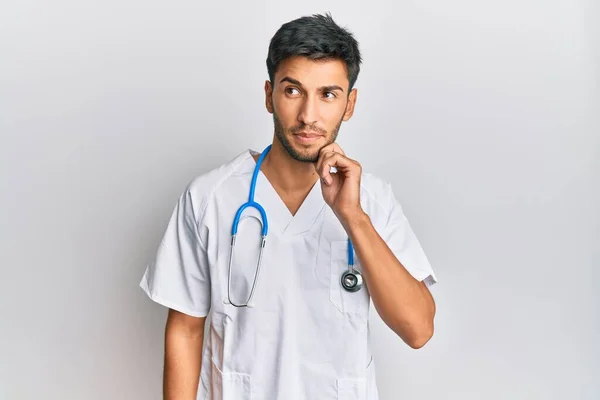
x,y
355,276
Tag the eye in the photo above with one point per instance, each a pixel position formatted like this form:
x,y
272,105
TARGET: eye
x,y
292,91
329,95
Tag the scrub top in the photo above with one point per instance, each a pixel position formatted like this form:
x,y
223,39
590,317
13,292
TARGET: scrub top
x,y
305,336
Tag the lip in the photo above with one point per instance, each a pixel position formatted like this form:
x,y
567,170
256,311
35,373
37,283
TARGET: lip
x,y
309,135
307,138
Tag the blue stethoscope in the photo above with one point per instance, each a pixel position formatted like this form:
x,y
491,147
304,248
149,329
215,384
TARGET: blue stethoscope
x,y
351,280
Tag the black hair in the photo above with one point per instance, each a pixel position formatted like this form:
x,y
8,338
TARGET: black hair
x,y
317,37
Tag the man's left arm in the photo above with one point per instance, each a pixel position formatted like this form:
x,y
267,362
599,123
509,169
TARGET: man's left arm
x,y
404,303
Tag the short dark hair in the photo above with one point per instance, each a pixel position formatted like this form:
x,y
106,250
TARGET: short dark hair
x,y
317,37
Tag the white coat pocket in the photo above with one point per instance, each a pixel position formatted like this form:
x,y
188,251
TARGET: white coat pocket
x,y
352,303
222,381
352,389
228,386
361,388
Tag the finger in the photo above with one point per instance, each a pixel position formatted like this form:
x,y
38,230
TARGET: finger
x,y
323,153
343,164
330,148
340,162
319,165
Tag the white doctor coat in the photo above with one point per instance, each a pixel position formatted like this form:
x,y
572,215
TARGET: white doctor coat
x,y
305,337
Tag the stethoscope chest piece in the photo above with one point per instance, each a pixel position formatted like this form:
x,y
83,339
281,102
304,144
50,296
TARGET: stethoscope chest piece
x,y
352,281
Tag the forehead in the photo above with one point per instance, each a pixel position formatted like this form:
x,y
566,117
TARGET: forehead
x,y
313,73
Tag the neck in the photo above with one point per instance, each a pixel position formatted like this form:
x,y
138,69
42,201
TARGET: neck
x,y
286,173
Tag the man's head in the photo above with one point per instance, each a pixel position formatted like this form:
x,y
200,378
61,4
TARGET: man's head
x,y
313,65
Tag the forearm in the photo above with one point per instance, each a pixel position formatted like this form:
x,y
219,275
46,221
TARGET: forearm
x,y
404,303
183,355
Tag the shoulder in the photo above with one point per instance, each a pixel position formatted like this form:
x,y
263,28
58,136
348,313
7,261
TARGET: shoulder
x,y
377,199
377,191
201,189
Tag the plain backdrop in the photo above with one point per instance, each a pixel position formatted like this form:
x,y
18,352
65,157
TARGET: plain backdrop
x,y
482,114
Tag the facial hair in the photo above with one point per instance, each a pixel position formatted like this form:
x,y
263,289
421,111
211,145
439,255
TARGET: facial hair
x,y
283,136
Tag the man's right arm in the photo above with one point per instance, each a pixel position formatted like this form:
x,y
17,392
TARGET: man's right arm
x,y
184,336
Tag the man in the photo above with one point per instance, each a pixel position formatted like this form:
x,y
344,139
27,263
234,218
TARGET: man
x,y
282,325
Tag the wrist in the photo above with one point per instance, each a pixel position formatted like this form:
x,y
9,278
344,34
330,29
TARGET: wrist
x,y
355,219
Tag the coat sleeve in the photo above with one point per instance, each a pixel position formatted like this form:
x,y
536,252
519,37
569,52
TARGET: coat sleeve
x,y
179,276
403,242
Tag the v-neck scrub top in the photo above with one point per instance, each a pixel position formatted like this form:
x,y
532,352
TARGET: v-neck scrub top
x,y
305,337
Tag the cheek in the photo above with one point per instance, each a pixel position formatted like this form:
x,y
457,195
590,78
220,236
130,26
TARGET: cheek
x,y
287,111
333,115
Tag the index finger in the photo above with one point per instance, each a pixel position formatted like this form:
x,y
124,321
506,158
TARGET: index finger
x,y
330,148
334,147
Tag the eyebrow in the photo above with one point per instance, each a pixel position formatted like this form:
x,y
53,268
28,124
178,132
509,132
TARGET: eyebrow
x,y
328,88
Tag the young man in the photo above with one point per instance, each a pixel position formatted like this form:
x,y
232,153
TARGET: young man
x,y
289,315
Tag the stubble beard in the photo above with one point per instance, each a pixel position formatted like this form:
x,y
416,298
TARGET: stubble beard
x,y
284,138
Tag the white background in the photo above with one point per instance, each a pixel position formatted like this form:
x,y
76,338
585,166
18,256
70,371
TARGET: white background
x,y
482,114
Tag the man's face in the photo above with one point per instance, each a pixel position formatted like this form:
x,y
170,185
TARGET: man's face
x,y
309,100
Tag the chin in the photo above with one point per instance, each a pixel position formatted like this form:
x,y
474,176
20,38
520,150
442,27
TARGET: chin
x,y
306,155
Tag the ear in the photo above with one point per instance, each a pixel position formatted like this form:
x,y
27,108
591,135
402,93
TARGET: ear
x,y
350,105
269,97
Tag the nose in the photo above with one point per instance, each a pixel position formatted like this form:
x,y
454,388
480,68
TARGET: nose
x,y
309,112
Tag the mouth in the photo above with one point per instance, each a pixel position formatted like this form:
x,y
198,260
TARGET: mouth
x,y
307,137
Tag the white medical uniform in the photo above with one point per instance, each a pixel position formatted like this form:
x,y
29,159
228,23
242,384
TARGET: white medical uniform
x,y
305,337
